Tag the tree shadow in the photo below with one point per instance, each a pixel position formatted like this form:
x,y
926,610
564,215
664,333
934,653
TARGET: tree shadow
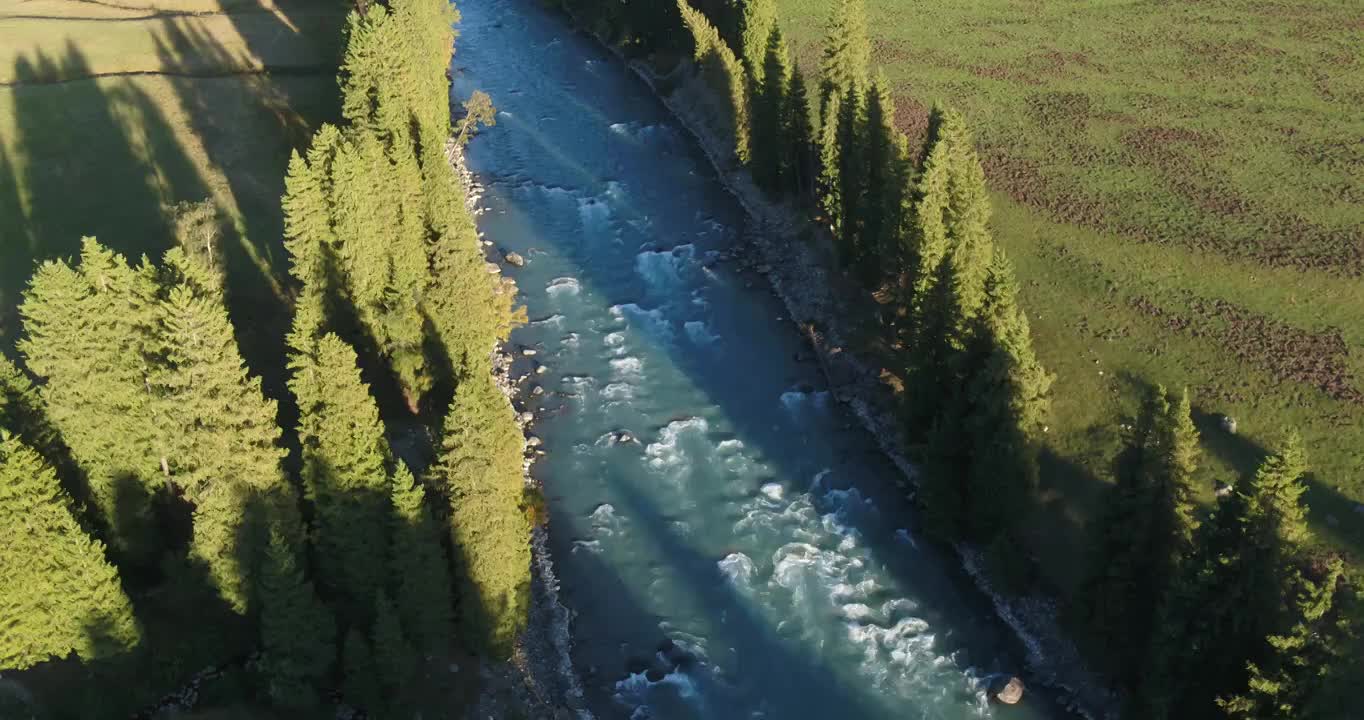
x,y
93,157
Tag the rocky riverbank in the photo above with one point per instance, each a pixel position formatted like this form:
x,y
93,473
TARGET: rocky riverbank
x,y
794,255
539,681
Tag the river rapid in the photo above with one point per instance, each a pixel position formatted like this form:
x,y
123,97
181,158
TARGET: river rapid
x,y
730,542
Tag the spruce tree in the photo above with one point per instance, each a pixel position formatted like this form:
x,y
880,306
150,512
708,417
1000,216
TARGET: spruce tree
x,y
479,470
852,162
361,675
59,594
23,413
345,458
1009,398
392,654
830,185
723,72
887,176
798,136
756,24
298,637
420,569
846,60
88,330
772,146
1279,687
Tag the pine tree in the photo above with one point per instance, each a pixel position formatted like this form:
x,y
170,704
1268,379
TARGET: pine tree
x,y
723,72
297,633
852,162
887,176
480,472
1279,688
59,595
361,684
1009,399
392,654
345,457
88,330
756,24
798,135
846,60
772,145
419,567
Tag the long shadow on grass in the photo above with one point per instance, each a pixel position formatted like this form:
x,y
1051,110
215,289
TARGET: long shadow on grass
x,y
92,158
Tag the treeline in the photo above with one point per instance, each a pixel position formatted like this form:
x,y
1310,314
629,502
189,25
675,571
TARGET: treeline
x,y
147,456
1224,613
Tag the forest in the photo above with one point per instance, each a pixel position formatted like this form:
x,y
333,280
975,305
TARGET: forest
x,y
147,478
1229,608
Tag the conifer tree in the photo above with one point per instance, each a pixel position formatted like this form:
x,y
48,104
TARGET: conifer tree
x,y
88,330
798,135
1009,398
479,470
852,161
298,637
420,569
345,457
887,175
392,654
830,185
723,72
23,413
1279,688
846,60
757,22
361,675
59,594
772,145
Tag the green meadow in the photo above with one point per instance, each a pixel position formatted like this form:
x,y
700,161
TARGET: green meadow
x,y
1181,188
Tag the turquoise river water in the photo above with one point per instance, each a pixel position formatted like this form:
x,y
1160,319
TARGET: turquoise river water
x,y
731,543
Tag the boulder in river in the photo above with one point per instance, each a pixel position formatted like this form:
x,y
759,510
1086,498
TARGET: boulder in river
x,y
1008,689
514,259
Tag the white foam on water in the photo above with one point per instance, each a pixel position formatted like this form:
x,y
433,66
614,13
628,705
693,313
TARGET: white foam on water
x,y
570,341
730,445
699,332
773,491
618,391
555,321
627,367
635,689
796,401
666,452
857,611
578,384
562,286
592,546
663,270
650,321
615,339
738,567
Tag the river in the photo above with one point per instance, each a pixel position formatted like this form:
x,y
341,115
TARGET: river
x,y
731,542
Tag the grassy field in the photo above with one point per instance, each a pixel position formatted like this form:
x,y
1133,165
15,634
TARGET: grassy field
x,y
1182,189
111,113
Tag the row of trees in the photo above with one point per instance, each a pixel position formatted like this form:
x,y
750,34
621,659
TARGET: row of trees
x,y
1229,615
170,453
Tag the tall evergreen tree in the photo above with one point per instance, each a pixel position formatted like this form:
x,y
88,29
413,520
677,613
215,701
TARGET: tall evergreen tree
x,y
799,136
757,22
852,179
723,72
479,470
1279,687
59,594
23,412
298,636
392,654
772,145
345,457
830,185
887,177
846,60
88,331
419,567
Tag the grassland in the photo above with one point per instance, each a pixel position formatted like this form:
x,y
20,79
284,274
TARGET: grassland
x,y
1181,187
111,113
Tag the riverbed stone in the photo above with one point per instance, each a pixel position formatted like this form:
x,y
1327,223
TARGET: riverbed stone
x,y
514,259
1009,691
1229,424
